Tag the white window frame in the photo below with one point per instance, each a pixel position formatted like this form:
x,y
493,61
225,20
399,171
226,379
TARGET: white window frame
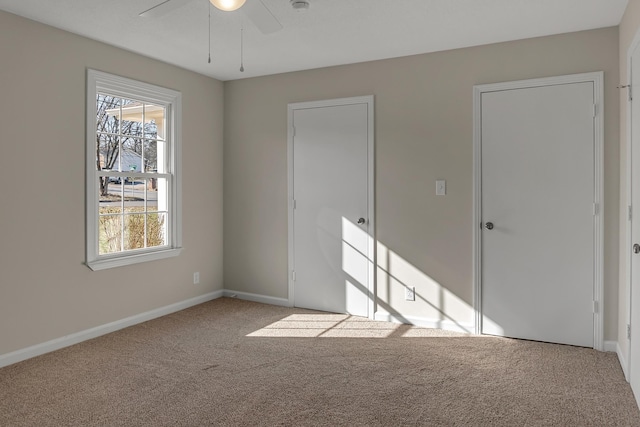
x,y
98,81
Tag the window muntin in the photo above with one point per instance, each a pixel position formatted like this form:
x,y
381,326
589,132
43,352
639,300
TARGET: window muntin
x,y
132,171
131,212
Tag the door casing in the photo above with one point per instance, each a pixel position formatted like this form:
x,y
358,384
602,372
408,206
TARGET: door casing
x,y
627,360
597,79
371,224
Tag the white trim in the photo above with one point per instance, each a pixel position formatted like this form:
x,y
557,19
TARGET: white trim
x,y
68,340
290,208
172,100
598,287
597,79
622,360
477,210
365,99
264,299
135,258
371,224
371,201
629,197
610,346
423,322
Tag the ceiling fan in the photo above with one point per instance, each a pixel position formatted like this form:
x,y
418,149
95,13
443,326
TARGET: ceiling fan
x,y
255,10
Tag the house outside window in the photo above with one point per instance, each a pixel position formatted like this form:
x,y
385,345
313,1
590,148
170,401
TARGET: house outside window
x,y
133,171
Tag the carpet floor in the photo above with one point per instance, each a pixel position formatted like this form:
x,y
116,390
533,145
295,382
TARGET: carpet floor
x,y
237,363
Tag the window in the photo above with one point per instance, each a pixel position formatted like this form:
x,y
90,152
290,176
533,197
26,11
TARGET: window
x,y
133,159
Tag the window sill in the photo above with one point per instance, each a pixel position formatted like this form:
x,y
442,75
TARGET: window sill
x,y
121,261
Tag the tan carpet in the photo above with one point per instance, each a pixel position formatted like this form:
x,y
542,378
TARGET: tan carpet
x,y
231,362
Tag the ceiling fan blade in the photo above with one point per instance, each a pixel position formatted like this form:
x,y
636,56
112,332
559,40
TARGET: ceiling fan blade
x,y
261,16
163,8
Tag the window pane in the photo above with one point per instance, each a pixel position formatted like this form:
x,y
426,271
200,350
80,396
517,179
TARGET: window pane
x,y
131,118
110,234
131,159
151,156
108,113
108,150
156,229
134,195
151,185
154,121
134,231
110,195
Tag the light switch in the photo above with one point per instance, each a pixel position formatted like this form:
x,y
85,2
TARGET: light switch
x,y
441,187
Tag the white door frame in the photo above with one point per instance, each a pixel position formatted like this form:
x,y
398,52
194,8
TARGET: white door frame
x,y
371,224
626,364
597,79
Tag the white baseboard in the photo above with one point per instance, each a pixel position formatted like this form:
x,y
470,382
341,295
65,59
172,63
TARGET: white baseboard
x,y
256,298
66,341
447,325
622,358
611,346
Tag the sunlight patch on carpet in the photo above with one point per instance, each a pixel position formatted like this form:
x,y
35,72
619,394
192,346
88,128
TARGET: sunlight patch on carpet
x,y
343,326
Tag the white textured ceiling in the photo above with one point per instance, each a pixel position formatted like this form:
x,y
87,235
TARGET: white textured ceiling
x,y
331,32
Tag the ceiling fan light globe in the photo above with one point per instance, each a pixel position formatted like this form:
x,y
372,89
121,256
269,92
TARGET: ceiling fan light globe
x,y
227,5
300,5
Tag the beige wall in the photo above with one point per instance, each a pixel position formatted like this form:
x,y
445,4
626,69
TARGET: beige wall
x,y
45,290
629,26
423,132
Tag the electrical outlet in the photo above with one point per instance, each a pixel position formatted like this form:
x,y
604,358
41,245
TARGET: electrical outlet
x,y
196,277
410,293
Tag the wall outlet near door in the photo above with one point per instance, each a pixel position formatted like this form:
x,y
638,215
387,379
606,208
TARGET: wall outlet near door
x,y
409,293
196,277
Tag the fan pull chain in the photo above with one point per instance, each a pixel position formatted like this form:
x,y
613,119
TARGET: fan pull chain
x,y
241,49
209,32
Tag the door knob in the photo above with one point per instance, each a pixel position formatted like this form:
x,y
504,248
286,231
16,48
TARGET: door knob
x,y
636,249
361,221
488,226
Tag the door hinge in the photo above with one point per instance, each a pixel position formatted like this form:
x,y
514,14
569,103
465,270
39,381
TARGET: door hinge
x,y
293,275
596,209
629,88
630,213
295,204
628,332
595,110
595,306
294,131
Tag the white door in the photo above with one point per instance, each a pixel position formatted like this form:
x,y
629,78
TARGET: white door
x,y
537,153
332,245
634,359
